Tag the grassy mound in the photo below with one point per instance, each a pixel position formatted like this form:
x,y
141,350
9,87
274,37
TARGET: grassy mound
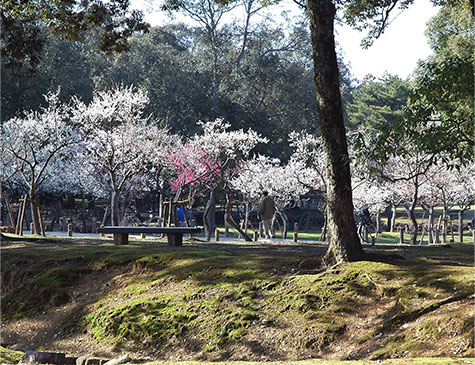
x,y
222,303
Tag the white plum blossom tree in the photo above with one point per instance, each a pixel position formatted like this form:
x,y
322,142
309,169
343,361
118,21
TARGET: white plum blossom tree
x,y
373,195
308,149
118,139
285,183
36,140
407,174
456,189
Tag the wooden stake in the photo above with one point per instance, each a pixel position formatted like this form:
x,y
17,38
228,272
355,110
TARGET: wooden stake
x,y
9,208
22,216
70,230
296,236
255,236
175,214
42,227
182,205
422,236
170,210
17,227
105,216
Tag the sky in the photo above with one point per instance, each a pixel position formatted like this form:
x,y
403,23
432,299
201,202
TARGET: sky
x,y
396,51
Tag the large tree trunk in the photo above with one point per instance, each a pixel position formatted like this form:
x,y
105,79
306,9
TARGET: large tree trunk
x,y
115,208
344,244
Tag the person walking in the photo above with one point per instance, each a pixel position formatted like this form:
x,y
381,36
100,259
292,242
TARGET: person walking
x,y
266,212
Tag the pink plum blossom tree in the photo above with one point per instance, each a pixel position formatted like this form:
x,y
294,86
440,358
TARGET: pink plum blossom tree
x,y
224,154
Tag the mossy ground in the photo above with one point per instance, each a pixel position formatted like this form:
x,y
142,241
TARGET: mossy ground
x,y
246,301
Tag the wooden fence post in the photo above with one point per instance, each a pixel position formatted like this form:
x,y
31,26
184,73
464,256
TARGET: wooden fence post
x,y
401,235
255,236
32,228
296,236
216,235
70,230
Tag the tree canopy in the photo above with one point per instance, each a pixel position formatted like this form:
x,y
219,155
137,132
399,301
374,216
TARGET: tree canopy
x,y
23,37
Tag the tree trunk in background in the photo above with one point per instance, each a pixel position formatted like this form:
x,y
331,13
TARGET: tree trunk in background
x,y
393,217
115,208
430,226
323,235
460,217
412,216
344,244
378,222
209,219
34,211
229,219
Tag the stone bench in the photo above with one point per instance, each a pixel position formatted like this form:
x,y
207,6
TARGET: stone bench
x,y
174,234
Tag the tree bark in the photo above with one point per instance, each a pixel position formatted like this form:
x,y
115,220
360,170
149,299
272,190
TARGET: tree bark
x,y
430,225
229,219
209,215
34,211
393,217
344,244
115,208
412,216
378,222
460,217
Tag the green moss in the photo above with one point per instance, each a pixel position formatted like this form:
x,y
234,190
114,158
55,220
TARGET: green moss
x,y
152,320
397,346
10,356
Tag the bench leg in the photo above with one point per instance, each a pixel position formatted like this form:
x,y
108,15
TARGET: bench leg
x,y
121,238
175,239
